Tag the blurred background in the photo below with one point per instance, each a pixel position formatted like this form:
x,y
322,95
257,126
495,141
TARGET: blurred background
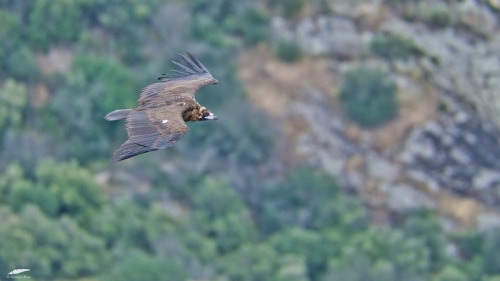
x,y
356,140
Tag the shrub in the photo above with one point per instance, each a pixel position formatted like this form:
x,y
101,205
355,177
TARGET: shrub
x,y
95,86
13,102
400,1
53,22
449,273
308,199
394,47
52,248
9,35
368,97
252,25
139,266
440,18
22,64
291,8
251,262
256,26
220,214
288,8
288,51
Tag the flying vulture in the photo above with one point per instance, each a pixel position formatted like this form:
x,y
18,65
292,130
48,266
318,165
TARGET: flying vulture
x,y
164,108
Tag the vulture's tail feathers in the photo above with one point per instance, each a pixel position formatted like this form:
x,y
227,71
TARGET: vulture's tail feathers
x,y
118,114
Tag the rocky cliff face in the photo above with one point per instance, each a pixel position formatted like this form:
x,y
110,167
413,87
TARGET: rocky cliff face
x,y
466,46
443,151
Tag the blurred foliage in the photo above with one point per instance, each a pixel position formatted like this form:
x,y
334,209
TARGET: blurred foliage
x,y
440,18
402,1
53,22
58,189
288,51
13,103
307,199
139,266
395,47
60,225
202,211
221,22
95,86
220,214
368,96
253,25
288,8
51,248
23,65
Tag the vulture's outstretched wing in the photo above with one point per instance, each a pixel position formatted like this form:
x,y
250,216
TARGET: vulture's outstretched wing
x,y
152,129
185,82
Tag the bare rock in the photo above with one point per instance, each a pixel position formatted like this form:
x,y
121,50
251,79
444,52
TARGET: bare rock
x,y
402,198
56,60
380,168
457,153
486,179
487,221
477,16
330,35
325,144
468,65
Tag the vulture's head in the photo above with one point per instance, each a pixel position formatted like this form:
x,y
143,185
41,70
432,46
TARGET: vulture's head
x,y
205,114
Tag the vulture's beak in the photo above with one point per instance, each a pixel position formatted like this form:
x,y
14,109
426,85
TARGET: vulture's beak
x,y
211,116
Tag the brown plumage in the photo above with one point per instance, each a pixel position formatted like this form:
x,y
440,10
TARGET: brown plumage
x,y
164,107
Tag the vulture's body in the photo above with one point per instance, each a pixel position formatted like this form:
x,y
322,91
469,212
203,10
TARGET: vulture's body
x,y
165,107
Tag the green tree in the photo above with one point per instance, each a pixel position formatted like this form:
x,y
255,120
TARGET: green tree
x,y
54,21
22,64
220,214
253,25
139,266
311,245
131,233
425,226
394,47
199,246
10,36
450,273
292,268
307,198
491,246
288,51
50,248
206,29
408,256
13,102
289,8
25,192
11,174
74,188
96,86
358,267
368,96
251,263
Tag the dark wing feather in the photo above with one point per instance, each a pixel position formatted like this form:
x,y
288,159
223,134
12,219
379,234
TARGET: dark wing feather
x,y
152,129
129,149
186,81
194,63
184,68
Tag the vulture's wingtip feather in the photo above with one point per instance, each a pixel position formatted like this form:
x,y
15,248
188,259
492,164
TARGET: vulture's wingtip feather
x,y
185,68
191,63
198,62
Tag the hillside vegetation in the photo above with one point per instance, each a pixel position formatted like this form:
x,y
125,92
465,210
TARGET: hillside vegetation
x,y
349,145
